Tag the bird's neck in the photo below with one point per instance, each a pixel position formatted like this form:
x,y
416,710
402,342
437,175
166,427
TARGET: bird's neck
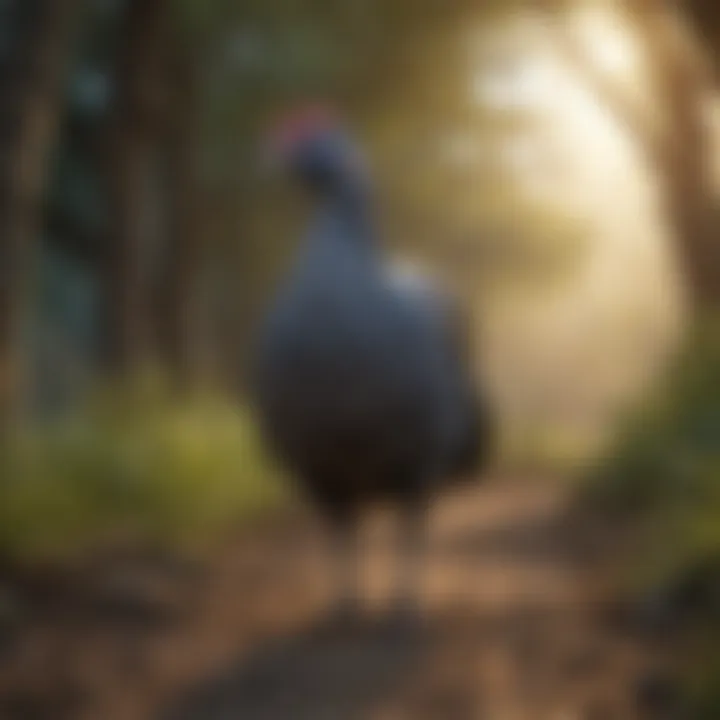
x,y
349,210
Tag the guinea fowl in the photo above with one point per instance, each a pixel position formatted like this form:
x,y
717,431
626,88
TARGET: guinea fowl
x,y
360,384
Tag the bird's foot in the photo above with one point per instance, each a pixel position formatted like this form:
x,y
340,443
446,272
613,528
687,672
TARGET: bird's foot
x,y
344,616
346,612
407,615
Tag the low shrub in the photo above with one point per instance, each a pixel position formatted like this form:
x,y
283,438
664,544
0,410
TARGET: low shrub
x,y
664,477
135,465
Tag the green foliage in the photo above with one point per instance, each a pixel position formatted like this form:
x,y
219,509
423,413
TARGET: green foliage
x,y
669,456
702,689
135,466
665,473
665,476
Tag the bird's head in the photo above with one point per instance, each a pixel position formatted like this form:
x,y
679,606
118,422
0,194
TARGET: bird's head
x,y
311,144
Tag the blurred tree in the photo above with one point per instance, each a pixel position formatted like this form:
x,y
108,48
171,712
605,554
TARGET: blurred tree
x,y
679,151
37,45
704,16
178,285
134,132
683,156
156,191
126,186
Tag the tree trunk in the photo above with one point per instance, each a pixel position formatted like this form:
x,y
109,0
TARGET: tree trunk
x,y
683,158
680,153
183,258
704,17
133,133
40,34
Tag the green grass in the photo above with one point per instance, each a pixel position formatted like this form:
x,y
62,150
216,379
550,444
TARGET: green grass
x,y
134,466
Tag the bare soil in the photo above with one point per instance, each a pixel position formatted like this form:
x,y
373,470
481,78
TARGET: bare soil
x,y
520,624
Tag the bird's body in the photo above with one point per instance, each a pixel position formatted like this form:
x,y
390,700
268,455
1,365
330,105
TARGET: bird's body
x,y
362,385
353,382
468,445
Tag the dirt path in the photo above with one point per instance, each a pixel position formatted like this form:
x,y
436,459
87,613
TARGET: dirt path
x,y
517,629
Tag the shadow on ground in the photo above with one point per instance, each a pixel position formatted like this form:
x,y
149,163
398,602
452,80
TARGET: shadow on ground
x,y
323,673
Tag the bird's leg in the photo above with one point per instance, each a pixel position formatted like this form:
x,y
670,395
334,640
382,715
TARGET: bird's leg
x,y
345,552
412,552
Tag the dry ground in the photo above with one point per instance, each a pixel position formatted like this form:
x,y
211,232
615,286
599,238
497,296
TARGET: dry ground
x,y
520,625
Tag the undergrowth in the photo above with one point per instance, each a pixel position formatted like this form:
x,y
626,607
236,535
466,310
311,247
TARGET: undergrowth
x,y
134,466
664,478
666,468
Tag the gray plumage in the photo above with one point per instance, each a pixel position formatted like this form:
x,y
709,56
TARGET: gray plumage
x,y
361,384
